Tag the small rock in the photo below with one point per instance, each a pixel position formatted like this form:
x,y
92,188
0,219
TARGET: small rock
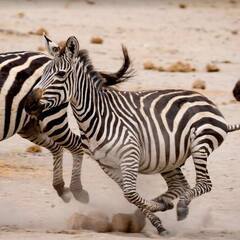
x,y
234,32
161,69
199,84
34,149
148,65
39,32
121,222
128,223
90,2
97,222
20,14
236,90
212,68
182,5
138,222
76,221
180,67
96,40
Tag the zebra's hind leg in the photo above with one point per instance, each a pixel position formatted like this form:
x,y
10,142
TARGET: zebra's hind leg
x,y
129,171
203,182
177,185
32,133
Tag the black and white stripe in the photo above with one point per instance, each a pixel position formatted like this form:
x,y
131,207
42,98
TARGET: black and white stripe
x,y
137,132
19,72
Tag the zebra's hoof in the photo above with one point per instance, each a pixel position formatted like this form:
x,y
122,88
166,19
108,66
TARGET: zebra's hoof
x,y
67,195
167,204
81,196
163,232
182,213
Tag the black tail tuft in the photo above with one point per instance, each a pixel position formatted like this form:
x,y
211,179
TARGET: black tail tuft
x,y
125,72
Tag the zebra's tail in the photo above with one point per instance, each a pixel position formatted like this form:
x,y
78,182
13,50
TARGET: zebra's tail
x,y
125,72
233,127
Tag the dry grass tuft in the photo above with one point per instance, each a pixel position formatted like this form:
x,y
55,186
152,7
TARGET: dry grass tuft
x,y
199,84
212,68
40,31
34,149
96,40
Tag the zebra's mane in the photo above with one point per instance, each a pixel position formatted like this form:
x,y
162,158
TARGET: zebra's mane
x,y
95,75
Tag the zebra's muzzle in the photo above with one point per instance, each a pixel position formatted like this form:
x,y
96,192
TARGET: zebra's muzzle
x,y
32,103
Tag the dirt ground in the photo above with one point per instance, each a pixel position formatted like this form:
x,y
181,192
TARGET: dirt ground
x,y
164,32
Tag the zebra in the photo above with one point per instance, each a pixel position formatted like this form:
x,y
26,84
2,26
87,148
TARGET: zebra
x,y
135,132
19,72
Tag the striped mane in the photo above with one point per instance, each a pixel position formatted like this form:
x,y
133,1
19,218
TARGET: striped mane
x,y
83,56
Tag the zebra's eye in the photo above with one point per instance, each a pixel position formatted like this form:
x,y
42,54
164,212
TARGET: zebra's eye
x,y
61,74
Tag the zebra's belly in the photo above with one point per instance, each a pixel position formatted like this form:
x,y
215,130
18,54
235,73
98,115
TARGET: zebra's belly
x,y
151,164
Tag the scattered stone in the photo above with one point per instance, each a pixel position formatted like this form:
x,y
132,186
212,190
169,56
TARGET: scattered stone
x,y
96,40
90,2
20,14
234,32
128,223
41,49
199,84
39,32
138,222
34,149
97,222
76,221
180,67
212,68
148,65
161,69
227,61
182,5
236,90
121,222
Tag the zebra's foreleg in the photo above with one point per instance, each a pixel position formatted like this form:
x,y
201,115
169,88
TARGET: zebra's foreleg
x,y
203,182
177,185
113,173
129,171
72,142
32,133
76,186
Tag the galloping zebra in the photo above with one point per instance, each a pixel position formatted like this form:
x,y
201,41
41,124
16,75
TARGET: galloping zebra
x,y
135,132
19,72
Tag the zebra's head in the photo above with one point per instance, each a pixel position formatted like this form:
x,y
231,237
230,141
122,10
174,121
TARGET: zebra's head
x,y
53,89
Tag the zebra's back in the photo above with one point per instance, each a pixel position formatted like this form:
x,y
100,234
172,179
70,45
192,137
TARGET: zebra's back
x,y
19,72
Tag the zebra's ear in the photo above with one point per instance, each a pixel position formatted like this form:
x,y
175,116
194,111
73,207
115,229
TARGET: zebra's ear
x,y
52,47
72,47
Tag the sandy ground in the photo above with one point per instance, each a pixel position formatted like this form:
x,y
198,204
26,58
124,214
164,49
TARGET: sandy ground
x,y
203,32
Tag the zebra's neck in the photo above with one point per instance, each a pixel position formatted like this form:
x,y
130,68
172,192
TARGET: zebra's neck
x,y
87,99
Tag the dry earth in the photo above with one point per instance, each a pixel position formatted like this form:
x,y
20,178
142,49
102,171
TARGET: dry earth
x,y
158,31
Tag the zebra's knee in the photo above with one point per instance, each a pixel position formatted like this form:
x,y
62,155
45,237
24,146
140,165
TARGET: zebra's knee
x,y
130,195
204,186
